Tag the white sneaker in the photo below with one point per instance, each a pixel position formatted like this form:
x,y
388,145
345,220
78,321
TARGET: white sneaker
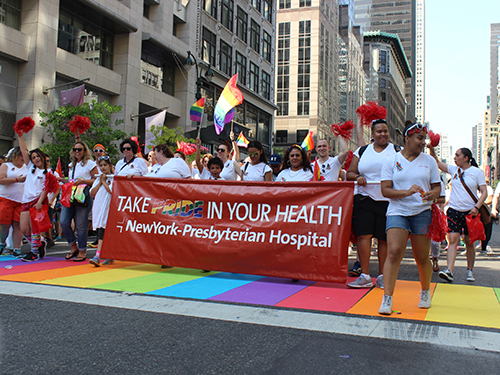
x,y
425,299
470,276
361,282
489,250
386,306
380,281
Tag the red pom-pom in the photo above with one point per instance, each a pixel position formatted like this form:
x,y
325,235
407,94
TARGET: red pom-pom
x,y
348,161
343,130
79,124
24,125
51,184
186,148
371,111
435,138
439,225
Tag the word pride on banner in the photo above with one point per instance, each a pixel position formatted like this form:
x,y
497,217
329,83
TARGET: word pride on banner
x,y
297,230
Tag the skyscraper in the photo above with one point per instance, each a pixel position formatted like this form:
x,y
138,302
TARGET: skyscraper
x,y
396,18
494,73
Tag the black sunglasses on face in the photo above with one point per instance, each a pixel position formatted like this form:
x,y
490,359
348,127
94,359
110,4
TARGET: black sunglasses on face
x,y
221,150
126,149
77,149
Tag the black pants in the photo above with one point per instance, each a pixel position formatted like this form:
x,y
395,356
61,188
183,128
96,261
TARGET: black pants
x,y
488,228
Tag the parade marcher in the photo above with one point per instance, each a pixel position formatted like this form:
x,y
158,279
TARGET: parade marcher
x,y
101,192
466,180
202,163
488,228
410,179
257,168
82,171
167,165
34,195
330,167
370,206
436,246
231,170
275,162
215,166
296,166
131,164
12,176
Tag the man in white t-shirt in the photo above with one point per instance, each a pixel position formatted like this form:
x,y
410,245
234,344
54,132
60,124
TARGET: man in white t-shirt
x,y
329,166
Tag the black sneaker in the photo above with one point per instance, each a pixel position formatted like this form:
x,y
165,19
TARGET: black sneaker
x,y
2,247
41,249
30,257
16,253
356,269
446,275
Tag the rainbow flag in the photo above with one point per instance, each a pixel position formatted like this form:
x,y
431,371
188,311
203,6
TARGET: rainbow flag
x,y
197,110
308,143
242,141
59,168
317,173
230,97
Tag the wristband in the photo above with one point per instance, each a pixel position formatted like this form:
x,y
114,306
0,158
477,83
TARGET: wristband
x,y
16,179
476,208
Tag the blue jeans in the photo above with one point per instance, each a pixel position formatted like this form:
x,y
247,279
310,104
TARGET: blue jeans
x,y
81,216
416,224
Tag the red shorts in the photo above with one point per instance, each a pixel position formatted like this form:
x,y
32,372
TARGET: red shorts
x,y
9,211
27,206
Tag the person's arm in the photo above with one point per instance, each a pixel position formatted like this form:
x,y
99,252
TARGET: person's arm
x,y
237,169
389,192
197,155
235,147
268,176
87,181
9,181
482,198
345,151
95,189
24,150
494,206
353,173
489,198
441,165
360,135
40,201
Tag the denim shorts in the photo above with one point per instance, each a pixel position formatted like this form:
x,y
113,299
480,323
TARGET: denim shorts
x,y
416,224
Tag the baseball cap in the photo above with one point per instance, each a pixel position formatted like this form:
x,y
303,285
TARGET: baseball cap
x,y
275,159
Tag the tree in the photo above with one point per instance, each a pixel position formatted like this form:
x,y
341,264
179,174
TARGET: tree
x,y
170,137
100,131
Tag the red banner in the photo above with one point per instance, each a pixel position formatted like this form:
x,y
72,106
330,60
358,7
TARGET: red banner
x,y
297,230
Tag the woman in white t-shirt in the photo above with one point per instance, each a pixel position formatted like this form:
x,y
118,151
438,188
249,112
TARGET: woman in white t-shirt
x,y
296,166
410,179
231,170
370,206
33,196
461,204
12,176
257,168
167,165
131,164
82,171
202,163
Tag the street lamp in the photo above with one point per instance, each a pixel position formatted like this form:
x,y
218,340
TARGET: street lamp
x,y
209,74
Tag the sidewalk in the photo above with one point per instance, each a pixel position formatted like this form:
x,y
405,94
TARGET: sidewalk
x,y
462,303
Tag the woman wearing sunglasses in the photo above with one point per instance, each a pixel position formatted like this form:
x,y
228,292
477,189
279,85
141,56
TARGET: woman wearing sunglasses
x,y
460,204
370,206
257,168
296,166
82,171
130,165
231,169
410,179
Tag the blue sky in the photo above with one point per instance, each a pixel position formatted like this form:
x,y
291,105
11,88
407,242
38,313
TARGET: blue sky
x,y
457,66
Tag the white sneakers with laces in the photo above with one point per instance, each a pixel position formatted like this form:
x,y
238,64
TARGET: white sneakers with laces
x,y
386,306
425,299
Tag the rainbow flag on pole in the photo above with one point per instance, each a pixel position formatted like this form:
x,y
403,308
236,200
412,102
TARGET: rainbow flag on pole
x,y
230,97
59,168
317,173
308,143
197,110
242,141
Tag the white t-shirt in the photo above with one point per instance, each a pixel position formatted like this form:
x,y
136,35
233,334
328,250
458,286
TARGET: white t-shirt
x,y
137,167
422,171
174,168
34,184
229,171
255,172
14,192
473,177
289,175
100,207
329,169
153,170
369,166
205,175
218,179
82,171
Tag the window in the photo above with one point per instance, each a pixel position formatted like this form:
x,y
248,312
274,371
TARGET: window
x,y
268,10
256,4
82,37
10,13
281,136
241,24
254,77
285,4
263,127
210,7
301,135
226,59
266,47
227,13
241,68
304,68
266,85
255,36
157,68
283,84
305,3
209,44
384,67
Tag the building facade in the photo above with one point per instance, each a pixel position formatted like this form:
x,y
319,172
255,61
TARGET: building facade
x,y
495,72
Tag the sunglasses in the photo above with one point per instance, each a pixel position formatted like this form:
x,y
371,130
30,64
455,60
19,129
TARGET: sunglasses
x,y
415,128
126,149
77,149
99,151
221,150
105,157
253,154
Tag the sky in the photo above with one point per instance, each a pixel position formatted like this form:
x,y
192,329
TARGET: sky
x,y
457,65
